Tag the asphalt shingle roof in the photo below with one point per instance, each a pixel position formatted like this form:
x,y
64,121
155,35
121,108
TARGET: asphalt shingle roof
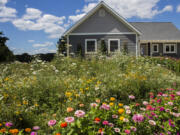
x,y
157,30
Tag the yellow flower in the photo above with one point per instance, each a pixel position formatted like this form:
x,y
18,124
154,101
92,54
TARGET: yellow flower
x,y
25,102
111,104
6,79
68,94
121,118
87,88
36,105
112,99
104,103
121,111
0,125
20,119
120,104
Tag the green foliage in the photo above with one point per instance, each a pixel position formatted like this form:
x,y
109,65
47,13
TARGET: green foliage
x,y
79,50
5,54
125,48
33,93
103,47
62,43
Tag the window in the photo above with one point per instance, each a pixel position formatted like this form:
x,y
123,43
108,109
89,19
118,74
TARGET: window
x,y
90,46
170,48
155,48
114,45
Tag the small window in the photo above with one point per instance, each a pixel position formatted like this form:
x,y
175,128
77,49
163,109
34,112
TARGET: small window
x,y
155,48
114,45
170,48
90,46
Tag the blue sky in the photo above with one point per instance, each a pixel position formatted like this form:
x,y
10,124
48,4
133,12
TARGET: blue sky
x,y
34,26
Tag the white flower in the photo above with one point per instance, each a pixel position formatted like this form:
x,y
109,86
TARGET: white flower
x,y
152,122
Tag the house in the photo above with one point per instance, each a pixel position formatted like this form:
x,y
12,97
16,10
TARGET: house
x,y
103,24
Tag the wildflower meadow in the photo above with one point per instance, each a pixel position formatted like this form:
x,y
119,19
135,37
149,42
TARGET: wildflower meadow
x,y
94,96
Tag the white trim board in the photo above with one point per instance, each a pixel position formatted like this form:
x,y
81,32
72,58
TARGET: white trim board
x,y
122,33
102,4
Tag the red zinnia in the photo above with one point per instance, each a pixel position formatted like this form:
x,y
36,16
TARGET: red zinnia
x,y
63,124
97,120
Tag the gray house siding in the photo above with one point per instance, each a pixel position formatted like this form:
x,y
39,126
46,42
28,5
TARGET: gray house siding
x,y
128,39
98,24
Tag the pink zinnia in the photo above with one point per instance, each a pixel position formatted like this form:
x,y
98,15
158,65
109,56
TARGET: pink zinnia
x,y
69,119
52,123
105,107
127,131
138,118
133,128
114,116
36,128
94,105
178,93
105,122
152,122
117,130
79,113
9,124
131,97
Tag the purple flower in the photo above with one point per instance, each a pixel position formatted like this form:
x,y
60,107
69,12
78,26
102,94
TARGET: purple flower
x,y
138,118
52,123
105,122
111,124
69,119
33,133
171,123
162,109
79,113
9,124
36,128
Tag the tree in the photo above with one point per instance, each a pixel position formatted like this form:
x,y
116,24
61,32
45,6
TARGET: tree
x,y
103,47
62,43
5,53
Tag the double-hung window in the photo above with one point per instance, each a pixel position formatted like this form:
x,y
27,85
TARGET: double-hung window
x,y
90,46
113,45
155,48
170,48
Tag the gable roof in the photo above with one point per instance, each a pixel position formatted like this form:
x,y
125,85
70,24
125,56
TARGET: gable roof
x,y
157,31
102,4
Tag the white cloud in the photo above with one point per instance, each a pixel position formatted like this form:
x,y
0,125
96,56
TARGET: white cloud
x,y
32,13
31,41
88,7
178,8
43,45
44,50
126,8
75,18
34,19
6,13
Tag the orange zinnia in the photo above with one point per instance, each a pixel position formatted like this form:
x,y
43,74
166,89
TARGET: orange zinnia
x,y
28,130
3,130
63,125
58,134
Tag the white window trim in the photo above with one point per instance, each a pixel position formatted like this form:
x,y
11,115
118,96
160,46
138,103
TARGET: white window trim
x,y
152,48
164,48
86,40
109,41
